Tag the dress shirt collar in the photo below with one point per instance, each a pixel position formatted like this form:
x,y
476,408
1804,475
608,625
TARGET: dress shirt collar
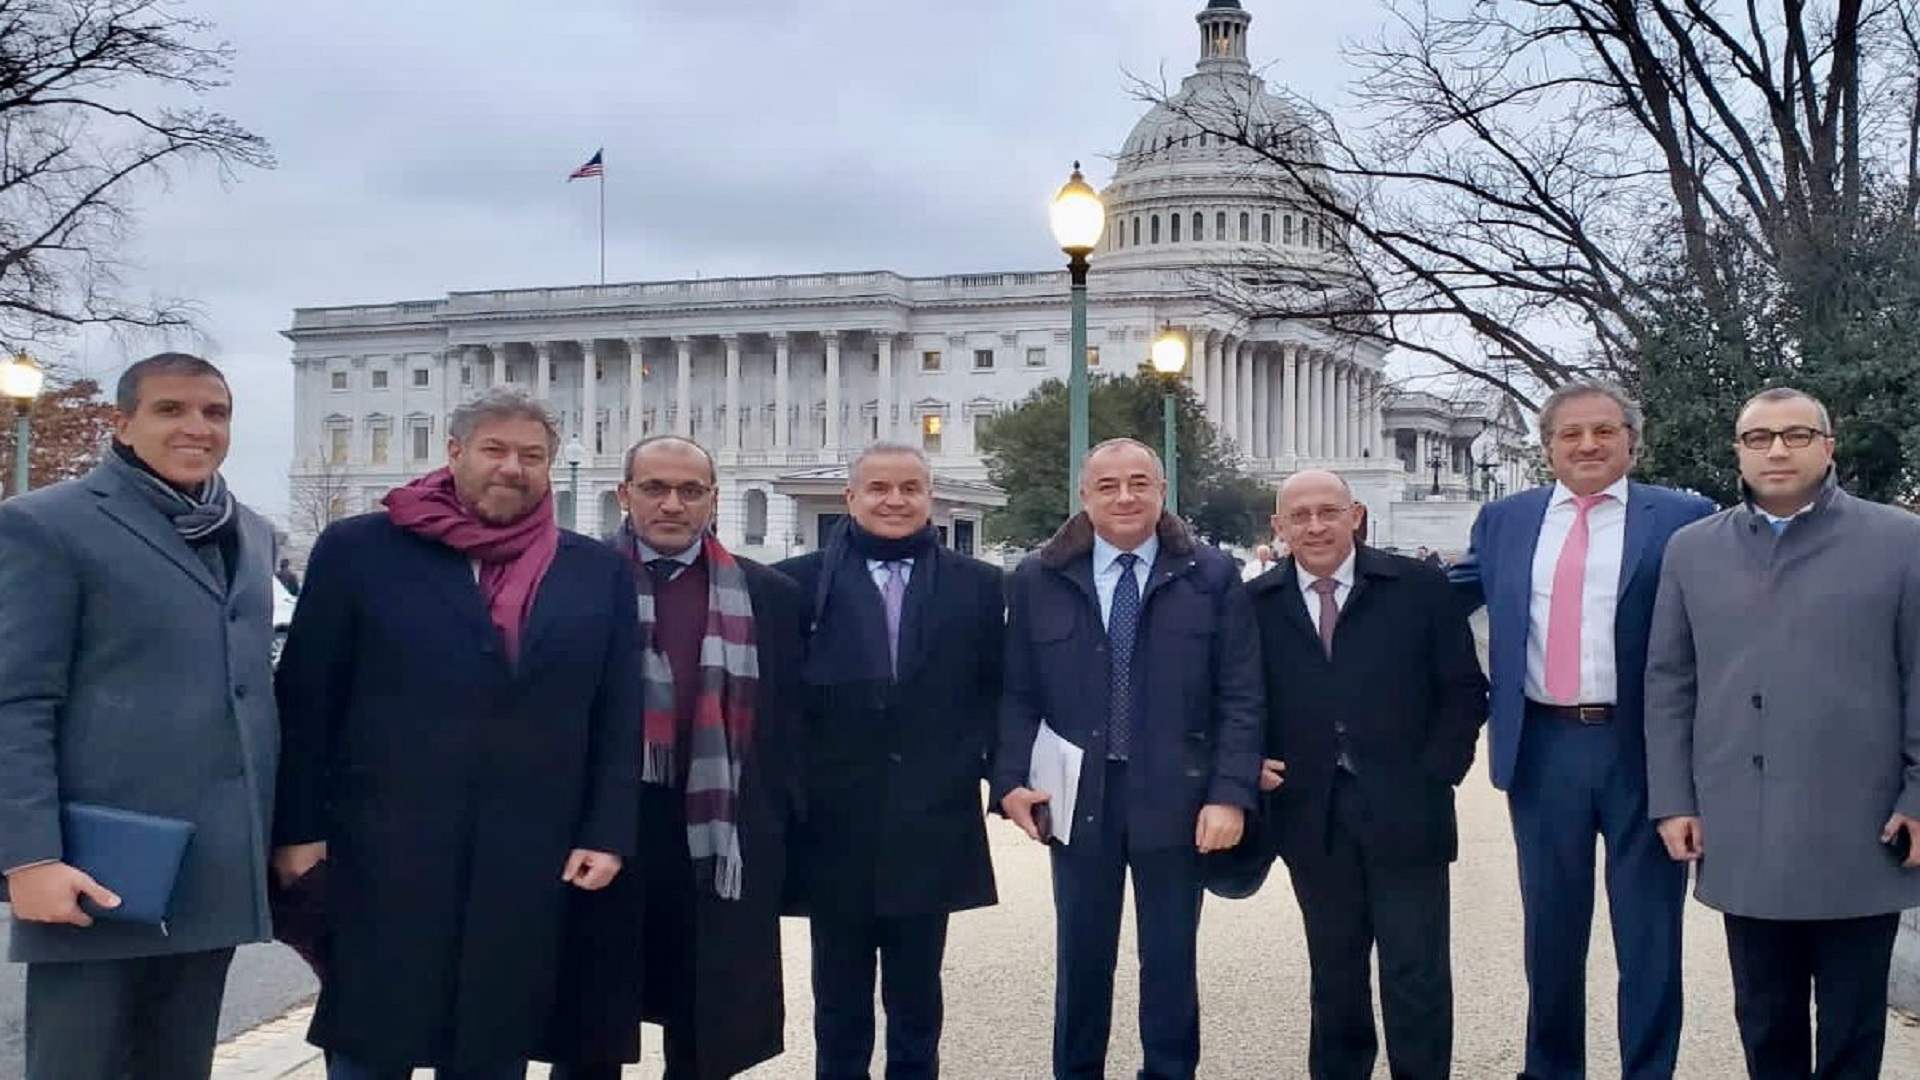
x,y
685,558
1342,573
1562,494
1105,553
874,566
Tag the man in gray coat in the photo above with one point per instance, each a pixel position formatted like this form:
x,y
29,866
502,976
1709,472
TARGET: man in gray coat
x,y
134,673
1783,738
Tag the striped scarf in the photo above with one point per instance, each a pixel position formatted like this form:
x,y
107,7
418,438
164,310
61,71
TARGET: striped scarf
x,y
196,516
722,731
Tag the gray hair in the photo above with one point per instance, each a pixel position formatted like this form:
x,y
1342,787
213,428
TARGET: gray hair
x,y
1788,393
503,404
1634,419
633,455
1110,444
885,448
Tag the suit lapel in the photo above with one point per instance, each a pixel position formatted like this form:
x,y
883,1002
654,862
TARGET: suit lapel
x,y
1293,606
1642,519
138,517
1516,587
452,576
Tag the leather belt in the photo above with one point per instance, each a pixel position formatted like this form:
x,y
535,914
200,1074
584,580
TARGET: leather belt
x,y
1590,715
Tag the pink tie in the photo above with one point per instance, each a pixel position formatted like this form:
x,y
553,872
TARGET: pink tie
x,y
1563,614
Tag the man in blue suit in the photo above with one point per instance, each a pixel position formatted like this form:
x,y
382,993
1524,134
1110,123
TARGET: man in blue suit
x,y
1138,646
1568,574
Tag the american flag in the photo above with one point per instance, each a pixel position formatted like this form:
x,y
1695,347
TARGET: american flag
x,y
592,168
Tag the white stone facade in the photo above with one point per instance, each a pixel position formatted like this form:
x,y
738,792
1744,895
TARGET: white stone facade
x,y
783,375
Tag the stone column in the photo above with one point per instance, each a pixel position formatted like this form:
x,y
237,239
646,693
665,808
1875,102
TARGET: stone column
x,y
1327,406
589,399
1290,388
1342,411
636,391
1200,369
543,370
1245,368
1309,403
1262,403
1230,386
499,351
1382,446
1216,383
883,346
730,435
683,420
782,433
832,338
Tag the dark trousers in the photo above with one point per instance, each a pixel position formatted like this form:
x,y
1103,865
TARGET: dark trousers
x,y
1842,964
1089,882
156,1017
909,950
339,1068
1352,902
1574,782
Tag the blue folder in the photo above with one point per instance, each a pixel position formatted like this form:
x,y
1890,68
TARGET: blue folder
x,y
136,855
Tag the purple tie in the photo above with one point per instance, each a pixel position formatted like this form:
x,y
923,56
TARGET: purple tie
x,y
894,595
1329,610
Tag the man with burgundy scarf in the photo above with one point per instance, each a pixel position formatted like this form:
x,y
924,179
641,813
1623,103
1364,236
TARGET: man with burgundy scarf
x,y
691,941
457,697
903,685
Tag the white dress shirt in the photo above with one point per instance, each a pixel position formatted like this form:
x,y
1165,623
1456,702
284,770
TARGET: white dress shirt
x,y
1106,569
877,568
1606,546
1343,574
686,556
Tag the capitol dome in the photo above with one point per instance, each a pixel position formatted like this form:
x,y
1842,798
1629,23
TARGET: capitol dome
x,y
1183,193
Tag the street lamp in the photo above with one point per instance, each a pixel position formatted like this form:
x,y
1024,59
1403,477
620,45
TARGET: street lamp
x,y
1435,461
573,454
20,381
1170,359
1078,220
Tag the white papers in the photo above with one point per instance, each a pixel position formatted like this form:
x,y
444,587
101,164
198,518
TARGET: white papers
x,y
1055,769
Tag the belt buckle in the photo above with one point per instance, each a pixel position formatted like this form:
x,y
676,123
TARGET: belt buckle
x,y
1591,715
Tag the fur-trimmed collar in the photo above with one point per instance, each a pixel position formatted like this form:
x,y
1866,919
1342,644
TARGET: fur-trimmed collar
x,y
1075,540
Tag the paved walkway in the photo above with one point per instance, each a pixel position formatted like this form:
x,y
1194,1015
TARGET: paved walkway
x,y
1253,983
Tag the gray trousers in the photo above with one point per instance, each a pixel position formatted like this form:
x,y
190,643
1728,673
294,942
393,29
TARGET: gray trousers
x,y
152,1018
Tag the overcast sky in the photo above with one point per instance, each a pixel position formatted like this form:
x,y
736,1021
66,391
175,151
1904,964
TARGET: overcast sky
x,y
423,147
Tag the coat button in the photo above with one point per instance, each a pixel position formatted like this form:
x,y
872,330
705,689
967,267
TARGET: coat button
x,y
1756,701
894,757
240,692
1759,761
234,615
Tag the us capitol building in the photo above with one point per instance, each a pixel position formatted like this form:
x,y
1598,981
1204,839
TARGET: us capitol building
x,y
785,377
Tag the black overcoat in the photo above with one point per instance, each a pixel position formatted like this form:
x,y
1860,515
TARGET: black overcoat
x,y
1405,682
450,785
893,770
739,1005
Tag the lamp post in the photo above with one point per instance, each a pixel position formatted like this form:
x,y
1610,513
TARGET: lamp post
x,y
1078,219
20,382
573,454
1170,359
1434,462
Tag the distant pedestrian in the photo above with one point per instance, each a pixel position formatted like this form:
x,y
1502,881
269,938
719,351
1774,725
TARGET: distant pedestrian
x,y
288,578
1783,739
458,693
136,633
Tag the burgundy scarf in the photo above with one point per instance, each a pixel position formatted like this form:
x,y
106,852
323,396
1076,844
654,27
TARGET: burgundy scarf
x,y
513,558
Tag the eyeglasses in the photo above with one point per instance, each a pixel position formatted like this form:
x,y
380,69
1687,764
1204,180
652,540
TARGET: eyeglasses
x,y
1325,515
1796,438
691,491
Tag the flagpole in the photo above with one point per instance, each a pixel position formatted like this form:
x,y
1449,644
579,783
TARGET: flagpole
x,y
603,224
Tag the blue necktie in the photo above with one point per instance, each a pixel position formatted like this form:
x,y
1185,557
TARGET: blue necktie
x,y
1777,526
1122,621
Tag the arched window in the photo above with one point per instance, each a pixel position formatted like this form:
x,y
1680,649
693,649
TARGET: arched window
x,y
1153,229
1246,226
1266,228
1199,227
1173,228
756,517
1136,230
1286,228
1119,233
1220,225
